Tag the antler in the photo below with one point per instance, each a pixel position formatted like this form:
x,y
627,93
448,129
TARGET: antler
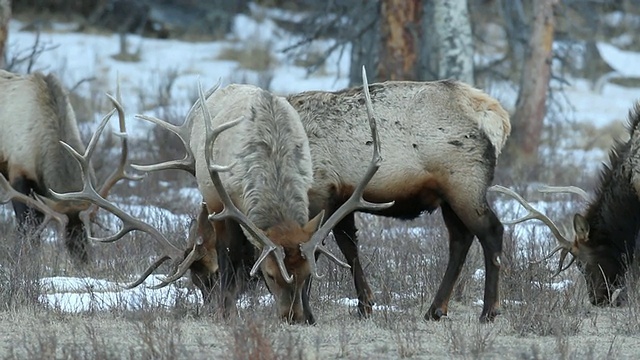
x,y
89,193
565,189
179,268
8,193
565,245
533,214
355,201
183,132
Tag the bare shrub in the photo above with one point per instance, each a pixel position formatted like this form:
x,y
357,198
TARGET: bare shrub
x,y
21,269
261,79
408,339
160,98
256,63
251,341
626,320
290,345
124,54
160,339
252,55
469,341
23,60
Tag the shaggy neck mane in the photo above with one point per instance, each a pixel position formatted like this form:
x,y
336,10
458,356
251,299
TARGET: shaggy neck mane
x,y
276,164
60,171
614,216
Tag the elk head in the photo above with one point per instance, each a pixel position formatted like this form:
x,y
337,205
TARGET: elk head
x,y
603,272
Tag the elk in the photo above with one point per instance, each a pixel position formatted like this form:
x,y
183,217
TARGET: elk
x,y
39,127
441,141
603,240
263,196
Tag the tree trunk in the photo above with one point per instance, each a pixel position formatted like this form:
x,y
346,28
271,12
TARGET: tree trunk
x,y
429,45
5,16
531,104
365,48
516,29
400,31
451,20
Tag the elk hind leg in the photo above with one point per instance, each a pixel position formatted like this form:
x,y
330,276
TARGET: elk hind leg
x,y
477,216
460,240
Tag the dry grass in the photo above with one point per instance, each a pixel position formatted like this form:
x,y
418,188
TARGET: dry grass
x,y
251,55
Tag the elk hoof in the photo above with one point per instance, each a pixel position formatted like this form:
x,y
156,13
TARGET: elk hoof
x,y
489,316
435,314
365,309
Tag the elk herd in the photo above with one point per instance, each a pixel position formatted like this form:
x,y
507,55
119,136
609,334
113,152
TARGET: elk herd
x,y
278,175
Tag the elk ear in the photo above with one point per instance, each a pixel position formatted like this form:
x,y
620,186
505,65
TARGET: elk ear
x,y
314,224
581,227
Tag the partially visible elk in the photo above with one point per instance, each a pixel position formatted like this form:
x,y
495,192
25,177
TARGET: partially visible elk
x,y
264,193
604,239
36,118
442,141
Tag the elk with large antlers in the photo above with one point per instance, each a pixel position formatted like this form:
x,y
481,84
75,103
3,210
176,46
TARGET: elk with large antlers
x,y
441,143
38,128
603,240
264,193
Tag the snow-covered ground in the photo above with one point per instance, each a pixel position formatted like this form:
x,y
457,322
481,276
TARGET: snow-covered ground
x,y
77,56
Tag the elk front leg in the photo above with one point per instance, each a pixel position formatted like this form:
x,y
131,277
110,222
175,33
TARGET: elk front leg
x,y
26,217
345,234
76,241
230,264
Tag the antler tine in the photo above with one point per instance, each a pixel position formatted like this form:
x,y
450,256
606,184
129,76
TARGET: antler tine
x,y
120,172
355,201
533,214
563,255
83,159
184,265
548,256
180,268
8,193
183,132
565,189
156,264
230,211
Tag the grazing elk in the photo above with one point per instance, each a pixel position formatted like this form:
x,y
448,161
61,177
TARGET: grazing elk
x,y
604,239
36,117
442,140
441,143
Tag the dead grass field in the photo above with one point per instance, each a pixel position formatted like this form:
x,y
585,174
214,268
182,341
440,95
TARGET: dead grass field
x,y
404,260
